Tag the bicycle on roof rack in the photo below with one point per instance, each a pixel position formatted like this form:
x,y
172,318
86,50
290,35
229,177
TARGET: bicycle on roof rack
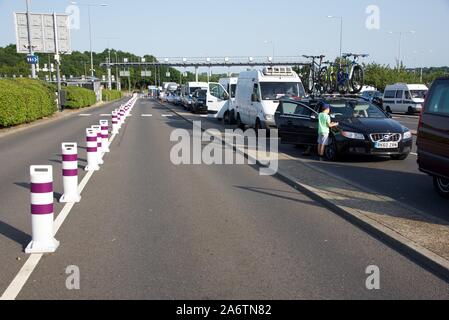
x,y
351,76
317,78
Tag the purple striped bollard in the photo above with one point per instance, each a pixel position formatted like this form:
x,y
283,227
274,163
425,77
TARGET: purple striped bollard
x,y
92,150
104,124
70,173
114,122
42,214
122,114
119,117
97,129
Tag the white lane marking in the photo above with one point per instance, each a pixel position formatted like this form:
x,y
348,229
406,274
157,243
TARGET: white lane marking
x,y
21,278
85,115
414,154
204,116
167,115
106,115
25,272
147,115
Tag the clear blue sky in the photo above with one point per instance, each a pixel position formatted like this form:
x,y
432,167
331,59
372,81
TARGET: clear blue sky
x,y
239,27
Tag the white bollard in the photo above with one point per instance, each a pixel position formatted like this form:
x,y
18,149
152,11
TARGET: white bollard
x,y
122,115
92,150
114,122
70,173
119,119
42,216
104,124
97,129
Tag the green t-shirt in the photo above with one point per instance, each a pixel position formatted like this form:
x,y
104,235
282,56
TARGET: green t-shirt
x,y
323,123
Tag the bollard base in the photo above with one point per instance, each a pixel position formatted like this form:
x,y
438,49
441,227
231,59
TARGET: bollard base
x,y
42,247
70,199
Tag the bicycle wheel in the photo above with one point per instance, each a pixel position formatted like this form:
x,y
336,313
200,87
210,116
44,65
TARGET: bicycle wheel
x,y
332,83
311,82
342,83
324,80
358,79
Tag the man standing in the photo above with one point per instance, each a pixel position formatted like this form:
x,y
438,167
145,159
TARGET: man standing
x,y
324,125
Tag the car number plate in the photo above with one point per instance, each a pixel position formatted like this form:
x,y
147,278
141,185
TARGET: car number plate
x,y
386,145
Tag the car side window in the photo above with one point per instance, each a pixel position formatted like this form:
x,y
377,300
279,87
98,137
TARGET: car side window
x,y
408,96
390,94
302,110
399,94
256,90
289,108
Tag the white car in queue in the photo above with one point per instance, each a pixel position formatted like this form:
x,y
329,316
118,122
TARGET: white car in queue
x,y
258,93
187,91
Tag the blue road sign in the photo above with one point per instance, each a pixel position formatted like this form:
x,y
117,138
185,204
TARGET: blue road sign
x,y
32,59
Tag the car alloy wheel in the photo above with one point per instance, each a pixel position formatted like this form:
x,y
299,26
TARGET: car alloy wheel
x,y
331,150
442,186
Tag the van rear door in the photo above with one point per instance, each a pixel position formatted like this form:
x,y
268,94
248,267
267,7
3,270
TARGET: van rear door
x,y
433,131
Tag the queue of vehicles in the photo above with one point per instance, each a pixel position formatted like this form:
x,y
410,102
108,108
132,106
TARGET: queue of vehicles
x,y
274,97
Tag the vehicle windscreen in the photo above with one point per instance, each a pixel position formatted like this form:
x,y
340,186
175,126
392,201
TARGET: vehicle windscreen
x,y
346,110
202,94
277,90
192,90
418,94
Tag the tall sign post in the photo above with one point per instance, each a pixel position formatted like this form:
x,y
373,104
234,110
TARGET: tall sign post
x,y
43,33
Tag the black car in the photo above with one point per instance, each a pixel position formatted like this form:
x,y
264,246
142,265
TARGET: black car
x,y
199,101
364,128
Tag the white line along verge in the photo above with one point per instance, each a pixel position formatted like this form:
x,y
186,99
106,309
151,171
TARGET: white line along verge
x,y
25,272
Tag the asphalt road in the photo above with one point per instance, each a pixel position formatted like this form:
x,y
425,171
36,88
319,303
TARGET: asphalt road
x,y
147,229
400,180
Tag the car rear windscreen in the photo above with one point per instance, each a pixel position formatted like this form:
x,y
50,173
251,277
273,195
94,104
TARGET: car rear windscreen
x,y
439,98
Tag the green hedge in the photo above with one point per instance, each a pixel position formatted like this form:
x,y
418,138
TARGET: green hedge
x,y
24,101
111,95
77,98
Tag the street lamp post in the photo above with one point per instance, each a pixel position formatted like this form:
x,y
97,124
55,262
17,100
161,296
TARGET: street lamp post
x,y
401,34
88,5
341,34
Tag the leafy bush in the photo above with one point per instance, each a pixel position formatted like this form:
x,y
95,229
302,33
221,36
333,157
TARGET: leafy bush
x,y
24,101
111,95
77,98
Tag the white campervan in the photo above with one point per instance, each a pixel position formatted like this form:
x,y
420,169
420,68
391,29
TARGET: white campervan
x,y
407,98
230,85
258,93
188,89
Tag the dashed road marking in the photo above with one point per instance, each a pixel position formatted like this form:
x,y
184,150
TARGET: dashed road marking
x,y
85,115
147,115
167,115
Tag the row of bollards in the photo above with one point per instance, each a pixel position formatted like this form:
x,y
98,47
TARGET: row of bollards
x,y
41,178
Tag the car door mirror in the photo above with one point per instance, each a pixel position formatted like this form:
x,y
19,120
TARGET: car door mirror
x,y
313,117
225,96
254,98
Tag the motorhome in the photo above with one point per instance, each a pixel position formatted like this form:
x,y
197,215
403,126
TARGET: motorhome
x,y
404,98
258,93
188,89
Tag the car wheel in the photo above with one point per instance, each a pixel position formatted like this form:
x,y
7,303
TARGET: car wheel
x,y
257,127
331,151
400,157
442,186
388,109
411,111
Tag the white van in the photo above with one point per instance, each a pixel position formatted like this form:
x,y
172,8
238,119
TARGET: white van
x,y
230,85
258,93
217,100
406,98
188,89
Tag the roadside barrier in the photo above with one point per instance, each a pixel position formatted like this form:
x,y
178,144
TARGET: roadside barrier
x,y
114,122
70,173
42,214
122,115
104,124
97,129
92,150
